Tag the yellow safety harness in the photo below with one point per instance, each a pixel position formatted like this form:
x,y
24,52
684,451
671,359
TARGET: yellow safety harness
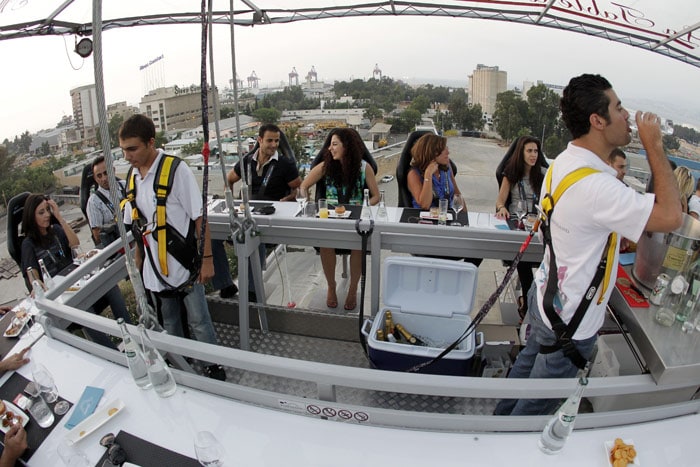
x,y
169,240
564,332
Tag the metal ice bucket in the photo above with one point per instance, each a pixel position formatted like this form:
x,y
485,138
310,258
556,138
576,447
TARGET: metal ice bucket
x,y
659,252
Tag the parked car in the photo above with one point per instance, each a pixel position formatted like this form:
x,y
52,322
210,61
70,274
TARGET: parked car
x,y
387,178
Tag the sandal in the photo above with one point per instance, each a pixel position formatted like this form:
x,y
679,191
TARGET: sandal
x,y
350,303
331,299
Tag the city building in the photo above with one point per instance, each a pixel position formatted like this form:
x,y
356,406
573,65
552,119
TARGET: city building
x,y
175,107
485,83
558,88
122,109
84,102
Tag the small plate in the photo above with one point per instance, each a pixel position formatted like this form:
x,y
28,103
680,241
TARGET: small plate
x,y
345,215
96,420
16,326
426,215
10,407
608,449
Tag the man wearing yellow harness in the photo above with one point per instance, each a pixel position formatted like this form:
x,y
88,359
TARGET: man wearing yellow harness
x,y
583,230
164,275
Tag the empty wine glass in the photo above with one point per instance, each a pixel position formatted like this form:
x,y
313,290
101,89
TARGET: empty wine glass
x,y
210,453
45,382
301,198
458,204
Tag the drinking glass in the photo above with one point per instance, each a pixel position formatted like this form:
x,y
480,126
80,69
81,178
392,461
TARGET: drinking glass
x,y
458,206
442,213
301,199
310,209
210,453
323,208
44,381
72,455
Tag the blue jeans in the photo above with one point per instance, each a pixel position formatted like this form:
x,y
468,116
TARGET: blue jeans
x,y
198,316
116,302
532,364
222,272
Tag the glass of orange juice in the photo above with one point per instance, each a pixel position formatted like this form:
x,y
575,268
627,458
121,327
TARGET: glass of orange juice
x,y
323,208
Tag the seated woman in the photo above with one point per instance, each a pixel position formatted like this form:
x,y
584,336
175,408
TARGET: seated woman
x,y
52,243
430,178
522,181
346,176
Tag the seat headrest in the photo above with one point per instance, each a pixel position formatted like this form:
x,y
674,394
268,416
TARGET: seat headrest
x,y
15,209
87,182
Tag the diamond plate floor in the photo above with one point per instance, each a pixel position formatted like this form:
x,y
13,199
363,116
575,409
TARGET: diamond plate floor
x,y
339,353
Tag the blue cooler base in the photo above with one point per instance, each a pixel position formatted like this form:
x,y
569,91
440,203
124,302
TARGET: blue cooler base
x,y
382,360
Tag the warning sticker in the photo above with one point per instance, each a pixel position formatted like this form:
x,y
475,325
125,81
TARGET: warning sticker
x,y
325,412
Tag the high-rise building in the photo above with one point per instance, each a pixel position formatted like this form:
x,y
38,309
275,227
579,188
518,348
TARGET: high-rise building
x,y
485,83
84,101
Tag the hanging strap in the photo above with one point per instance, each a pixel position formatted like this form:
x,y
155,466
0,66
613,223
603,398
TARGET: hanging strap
x,y
565,332
365,234
163,183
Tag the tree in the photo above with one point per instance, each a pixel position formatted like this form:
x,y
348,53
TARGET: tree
x,y
671,142
373,112
45,148
511,115
406,121
421,104
193,148
296,142
543,110
161,140
113,129
267,115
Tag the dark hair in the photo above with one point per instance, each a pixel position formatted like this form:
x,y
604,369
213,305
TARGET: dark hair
x,y
268,127
514,170
584,96
426,149
617,152
347,171
138,126
98,160
29,227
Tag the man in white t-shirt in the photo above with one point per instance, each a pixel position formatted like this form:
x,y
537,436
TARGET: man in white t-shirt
x,y
694,202
581,223
183,207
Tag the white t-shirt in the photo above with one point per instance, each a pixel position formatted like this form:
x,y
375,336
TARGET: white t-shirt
x,y
583,218
183,203
694,204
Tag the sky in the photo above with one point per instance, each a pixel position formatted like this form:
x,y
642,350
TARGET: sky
x,y
39,72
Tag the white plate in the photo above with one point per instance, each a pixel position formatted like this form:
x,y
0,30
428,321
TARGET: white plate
x,y
426,215
608,449
22,324
94,421
10,407
345,215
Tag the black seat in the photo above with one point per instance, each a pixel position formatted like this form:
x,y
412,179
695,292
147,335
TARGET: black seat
x,y
404,165
15,208
321,184
87,182
506,157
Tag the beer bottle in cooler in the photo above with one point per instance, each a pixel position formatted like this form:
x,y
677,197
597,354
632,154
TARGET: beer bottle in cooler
x,y
410,338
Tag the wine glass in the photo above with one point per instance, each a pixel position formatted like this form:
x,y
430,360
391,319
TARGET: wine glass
x,y
301,198
458,206
210,453
45,382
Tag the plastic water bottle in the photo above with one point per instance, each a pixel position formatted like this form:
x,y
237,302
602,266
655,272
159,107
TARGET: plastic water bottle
x,y
46,277
158,372
561,425
382,215
134,358
366,211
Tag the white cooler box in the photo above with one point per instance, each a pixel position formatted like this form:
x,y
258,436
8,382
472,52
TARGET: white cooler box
x,y
432,299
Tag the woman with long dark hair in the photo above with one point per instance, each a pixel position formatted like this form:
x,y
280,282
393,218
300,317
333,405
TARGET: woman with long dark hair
x,y
523,176
346,175
50,238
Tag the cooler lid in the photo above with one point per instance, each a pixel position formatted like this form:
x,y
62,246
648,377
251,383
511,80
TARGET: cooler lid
x,y
429,286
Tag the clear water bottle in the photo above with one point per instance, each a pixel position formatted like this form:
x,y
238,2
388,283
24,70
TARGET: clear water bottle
x,y
560,426
366,211
158,372
382,215
46,277
134,358
666,315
